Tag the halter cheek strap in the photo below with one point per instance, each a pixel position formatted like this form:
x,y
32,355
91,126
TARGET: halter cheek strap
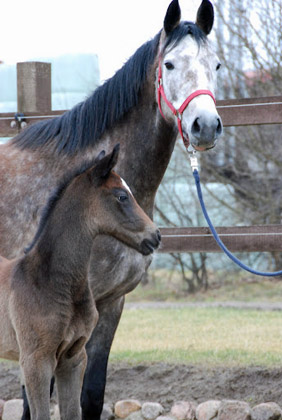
x,y
178,112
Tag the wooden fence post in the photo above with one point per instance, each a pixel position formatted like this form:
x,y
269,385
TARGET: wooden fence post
x,y
34,87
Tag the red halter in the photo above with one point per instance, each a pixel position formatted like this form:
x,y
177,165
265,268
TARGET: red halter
x,y
178,112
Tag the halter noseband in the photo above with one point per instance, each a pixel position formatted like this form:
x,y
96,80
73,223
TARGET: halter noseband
x,y
178,112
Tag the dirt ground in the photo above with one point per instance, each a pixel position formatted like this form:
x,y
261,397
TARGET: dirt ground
x,y
166,383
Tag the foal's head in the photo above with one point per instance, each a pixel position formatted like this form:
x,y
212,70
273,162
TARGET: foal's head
x,y
111,209
95,200
188,64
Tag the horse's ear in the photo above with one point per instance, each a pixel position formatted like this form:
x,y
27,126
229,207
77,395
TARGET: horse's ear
x,y
102,169
172,17
205,16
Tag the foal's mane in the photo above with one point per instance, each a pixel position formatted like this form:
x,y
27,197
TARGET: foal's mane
x,y
55,196
86,122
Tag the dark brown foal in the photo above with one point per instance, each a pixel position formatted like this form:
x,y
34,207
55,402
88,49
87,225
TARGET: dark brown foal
x,y
47,310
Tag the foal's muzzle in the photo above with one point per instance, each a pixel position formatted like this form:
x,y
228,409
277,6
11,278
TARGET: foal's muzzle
x,y
149,245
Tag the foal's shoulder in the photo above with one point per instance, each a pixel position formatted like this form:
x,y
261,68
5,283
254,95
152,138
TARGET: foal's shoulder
x,y
3,260
6,268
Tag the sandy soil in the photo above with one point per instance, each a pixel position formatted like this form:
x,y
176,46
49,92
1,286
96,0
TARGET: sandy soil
x,y
166,383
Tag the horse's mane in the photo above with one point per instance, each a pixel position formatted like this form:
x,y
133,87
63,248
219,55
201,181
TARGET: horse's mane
x,y
85,123
56,195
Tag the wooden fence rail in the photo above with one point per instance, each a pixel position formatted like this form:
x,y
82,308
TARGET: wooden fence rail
x,y
267,238
34,101
235,112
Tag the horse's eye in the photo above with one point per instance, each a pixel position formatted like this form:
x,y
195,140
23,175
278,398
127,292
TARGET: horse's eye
x,y
122,198
169,65
218,66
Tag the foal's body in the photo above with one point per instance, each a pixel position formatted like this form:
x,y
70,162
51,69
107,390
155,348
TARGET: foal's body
x,y
47,310
46,331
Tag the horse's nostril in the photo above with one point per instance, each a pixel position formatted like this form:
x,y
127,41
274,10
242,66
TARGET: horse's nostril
x,y
206,129
219,127
196,126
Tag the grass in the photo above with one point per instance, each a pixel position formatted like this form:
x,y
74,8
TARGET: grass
x,y
239,286
209,336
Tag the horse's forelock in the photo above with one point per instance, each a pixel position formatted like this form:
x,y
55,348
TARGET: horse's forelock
x,y
183,29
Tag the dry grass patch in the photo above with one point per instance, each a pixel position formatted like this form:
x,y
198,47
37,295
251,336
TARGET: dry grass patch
x,y
212,336
165,285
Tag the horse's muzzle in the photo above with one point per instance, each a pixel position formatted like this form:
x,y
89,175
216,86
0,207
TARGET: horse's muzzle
x,y
205,131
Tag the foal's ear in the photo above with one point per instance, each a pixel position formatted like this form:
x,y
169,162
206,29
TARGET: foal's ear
x,y
102,169
172,17
205,16
100,156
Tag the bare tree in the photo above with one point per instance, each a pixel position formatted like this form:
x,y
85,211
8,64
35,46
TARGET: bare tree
x,y
248,159
177,205
249,40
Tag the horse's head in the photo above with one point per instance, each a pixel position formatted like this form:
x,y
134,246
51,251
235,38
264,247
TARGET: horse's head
x,y
187,76
114,210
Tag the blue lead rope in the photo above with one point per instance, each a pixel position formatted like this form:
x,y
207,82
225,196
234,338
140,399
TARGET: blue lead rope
x,y
215,235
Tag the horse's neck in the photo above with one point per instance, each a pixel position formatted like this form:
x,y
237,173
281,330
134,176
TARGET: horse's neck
x,y
147,142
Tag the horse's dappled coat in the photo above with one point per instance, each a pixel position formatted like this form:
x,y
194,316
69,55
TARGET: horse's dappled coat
x,y
122,110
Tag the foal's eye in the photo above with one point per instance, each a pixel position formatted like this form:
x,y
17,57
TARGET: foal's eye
x,y
122,198
169,65
218,66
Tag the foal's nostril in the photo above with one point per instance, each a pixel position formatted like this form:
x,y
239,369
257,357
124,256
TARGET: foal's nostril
x,y
159,237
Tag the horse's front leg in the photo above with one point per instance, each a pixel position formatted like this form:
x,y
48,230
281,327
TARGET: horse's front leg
x,y
69,377
98,349
26,410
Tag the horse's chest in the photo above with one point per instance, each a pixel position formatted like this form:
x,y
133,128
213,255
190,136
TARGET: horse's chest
x,y
115,268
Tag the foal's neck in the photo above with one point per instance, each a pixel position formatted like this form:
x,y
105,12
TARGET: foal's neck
x,y
62,253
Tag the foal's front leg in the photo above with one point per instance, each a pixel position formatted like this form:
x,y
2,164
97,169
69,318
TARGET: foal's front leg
x,y
26,410
69,377
37,374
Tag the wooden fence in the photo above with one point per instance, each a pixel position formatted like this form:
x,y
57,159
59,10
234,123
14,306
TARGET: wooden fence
x,y
34,101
